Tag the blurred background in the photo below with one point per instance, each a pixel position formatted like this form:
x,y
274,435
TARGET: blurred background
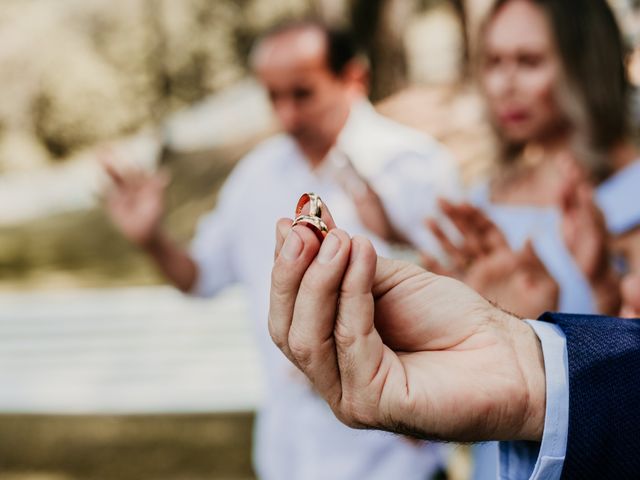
x,y
105,372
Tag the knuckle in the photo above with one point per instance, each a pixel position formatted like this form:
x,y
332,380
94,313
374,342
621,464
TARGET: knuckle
x,y
343,334
277,335
313,283
356,415
280,281
300,349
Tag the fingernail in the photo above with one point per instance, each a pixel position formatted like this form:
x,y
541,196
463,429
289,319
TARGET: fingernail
x,y
329,248
292,246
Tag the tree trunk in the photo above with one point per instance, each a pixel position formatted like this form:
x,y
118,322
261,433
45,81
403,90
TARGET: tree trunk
x,y
460,8
379,26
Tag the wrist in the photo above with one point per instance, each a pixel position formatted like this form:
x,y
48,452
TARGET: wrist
x,y
530,362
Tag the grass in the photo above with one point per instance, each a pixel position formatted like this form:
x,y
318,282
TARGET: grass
x,y
168,447
82,249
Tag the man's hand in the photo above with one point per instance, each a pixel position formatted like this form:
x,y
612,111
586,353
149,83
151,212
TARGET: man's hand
x,y
135,203
518,281
393,347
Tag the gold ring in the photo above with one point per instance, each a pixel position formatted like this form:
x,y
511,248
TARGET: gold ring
x,y
315,205
314,218
316,224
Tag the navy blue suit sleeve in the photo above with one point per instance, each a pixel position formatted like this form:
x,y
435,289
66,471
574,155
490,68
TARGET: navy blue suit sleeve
x,y
604,396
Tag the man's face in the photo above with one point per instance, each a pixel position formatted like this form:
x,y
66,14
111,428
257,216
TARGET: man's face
x,y
310,101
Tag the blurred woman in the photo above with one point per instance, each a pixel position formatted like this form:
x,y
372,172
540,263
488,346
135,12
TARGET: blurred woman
x,y
554,78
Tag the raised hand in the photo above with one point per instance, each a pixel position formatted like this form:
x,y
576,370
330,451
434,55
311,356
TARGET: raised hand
x,y
586,236
135,203
368,204
516,280
393,347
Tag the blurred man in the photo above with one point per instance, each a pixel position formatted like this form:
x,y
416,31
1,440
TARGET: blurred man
x,y
380,176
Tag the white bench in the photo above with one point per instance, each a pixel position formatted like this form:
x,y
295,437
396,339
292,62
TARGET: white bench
x,y
121,351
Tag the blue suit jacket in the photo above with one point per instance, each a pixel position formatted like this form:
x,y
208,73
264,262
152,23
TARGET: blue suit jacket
x,y
604,396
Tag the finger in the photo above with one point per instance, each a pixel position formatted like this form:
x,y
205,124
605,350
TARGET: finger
x,y
109,167
491,236
567,197
630,289
586,195
470,247
283,227
530,263
430,263
472,229
298,251
138,178
311,339
455,213
529,257
357,187
359,346
571,177
457,257
582,202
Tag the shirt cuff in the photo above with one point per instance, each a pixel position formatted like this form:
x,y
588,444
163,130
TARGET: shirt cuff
x,y
532,460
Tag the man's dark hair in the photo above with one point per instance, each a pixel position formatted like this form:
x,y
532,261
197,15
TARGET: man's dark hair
x,y
342,46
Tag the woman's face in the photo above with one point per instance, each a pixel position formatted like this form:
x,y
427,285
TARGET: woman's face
x,y
520,72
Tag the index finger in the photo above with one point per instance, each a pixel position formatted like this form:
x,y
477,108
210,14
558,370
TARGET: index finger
x,y
109,167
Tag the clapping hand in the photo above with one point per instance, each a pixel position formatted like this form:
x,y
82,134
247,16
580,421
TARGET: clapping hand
x,y
585,233
135,202
516,280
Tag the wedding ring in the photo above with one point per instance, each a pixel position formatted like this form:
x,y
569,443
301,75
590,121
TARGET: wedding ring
x,y
315,205
314,222
314,218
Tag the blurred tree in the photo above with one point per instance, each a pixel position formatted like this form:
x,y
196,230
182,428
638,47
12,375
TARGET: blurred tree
x,y
334,12
461,12
379,26
111,67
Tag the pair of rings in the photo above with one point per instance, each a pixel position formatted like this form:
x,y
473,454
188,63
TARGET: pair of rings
x,y
313,219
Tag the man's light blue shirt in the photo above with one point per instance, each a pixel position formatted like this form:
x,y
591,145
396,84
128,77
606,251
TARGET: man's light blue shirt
x,y
544,461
